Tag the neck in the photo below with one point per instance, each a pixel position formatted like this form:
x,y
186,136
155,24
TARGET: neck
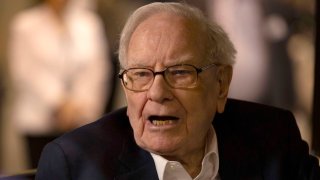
x,y
192,161
193,168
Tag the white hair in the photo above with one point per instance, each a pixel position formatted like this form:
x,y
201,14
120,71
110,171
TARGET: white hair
x,y
219,48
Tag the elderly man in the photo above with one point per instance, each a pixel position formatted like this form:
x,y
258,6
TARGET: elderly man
x,y
176,71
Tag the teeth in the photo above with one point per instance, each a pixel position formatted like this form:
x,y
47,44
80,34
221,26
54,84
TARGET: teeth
x,y
161,123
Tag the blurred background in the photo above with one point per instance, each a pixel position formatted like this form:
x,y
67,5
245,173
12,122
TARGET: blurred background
x,y
58,64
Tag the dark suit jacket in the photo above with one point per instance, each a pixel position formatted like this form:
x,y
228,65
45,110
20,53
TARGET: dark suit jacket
x,y
254,141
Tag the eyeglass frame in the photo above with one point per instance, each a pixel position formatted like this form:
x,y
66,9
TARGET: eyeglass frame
x,y
198,70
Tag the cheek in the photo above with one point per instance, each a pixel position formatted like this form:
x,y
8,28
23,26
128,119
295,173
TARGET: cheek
x,y
209,95
203,100
136,103
200,106
200,110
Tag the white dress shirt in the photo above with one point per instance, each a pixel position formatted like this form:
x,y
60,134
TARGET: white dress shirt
x,y
173,170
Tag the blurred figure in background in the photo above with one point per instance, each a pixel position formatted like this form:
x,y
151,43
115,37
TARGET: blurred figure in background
x,y
290,31
243,22
275,59
59,69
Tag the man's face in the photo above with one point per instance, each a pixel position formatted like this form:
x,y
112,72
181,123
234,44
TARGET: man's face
x,y
167,121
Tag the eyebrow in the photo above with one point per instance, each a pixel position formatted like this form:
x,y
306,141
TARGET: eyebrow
x,y
138,65
184,59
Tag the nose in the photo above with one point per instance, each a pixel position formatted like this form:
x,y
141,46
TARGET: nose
x,y
159,91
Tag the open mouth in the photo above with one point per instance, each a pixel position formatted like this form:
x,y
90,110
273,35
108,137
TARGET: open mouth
x,y
162,120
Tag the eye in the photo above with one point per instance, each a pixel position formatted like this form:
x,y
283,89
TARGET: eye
x,y
140,73
180,72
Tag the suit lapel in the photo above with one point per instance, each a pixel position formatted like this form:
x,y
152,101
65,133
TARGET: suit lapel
x,y
239,162
144,172
239,155
135,163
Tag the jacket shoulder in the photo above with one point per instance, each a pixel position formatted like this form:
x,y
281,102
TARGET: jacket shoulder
x,y
251,113
89,151
99,141
255,121
266,138
111,126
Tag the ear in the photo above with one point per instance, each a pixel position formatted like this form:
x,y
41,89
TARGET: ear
x,y
224,76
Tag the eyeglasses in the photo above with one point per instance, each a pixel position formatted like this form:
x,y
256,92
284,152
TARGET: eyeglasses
x,y
178,76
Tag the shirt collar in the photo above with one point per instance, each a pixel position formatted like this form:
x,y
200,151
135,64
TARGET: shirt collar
x,y
210,162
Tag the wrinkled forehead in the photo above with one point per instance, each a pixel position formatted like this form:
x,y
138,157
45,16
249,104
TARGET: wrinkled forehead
x,y
167,34
172,23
